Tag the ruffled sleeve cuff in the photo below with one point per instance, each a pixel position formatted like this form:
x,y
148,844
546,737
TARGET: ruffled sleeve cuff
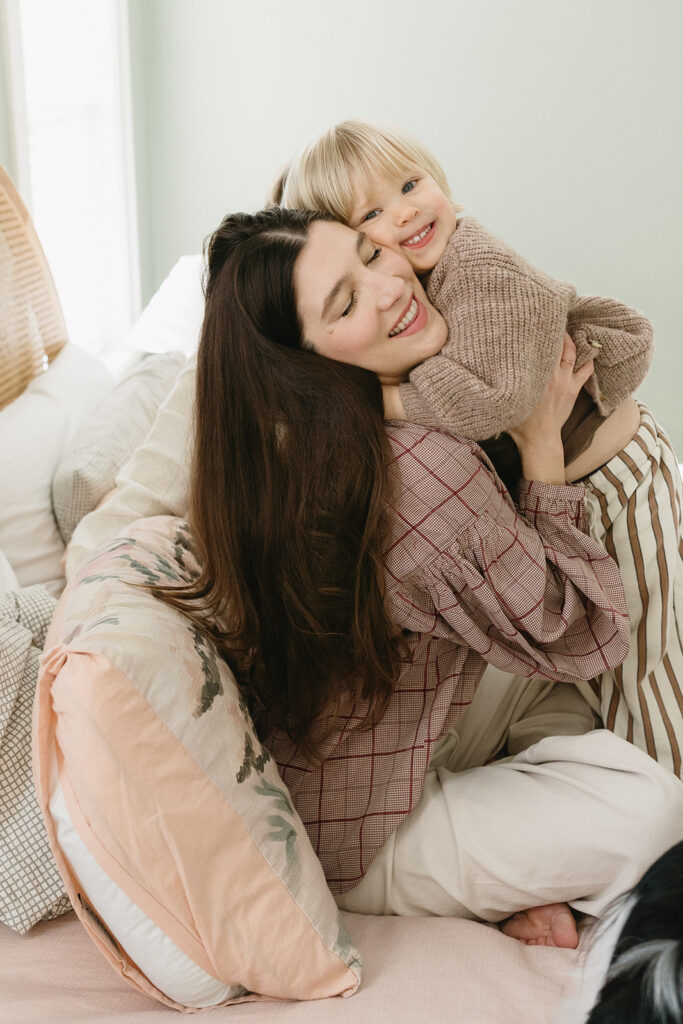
x,y
553,500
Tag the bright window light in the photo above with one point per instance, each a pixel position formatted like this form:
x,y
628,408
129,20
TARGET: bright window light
x,y
77,141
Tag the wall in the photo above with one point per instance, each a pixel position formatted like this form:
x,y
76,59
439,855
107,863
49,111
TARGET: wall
x,y
6,155
558,125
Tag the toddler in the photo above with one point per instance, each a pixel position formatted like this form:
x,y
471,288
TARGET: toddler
x,y
506,322
506,319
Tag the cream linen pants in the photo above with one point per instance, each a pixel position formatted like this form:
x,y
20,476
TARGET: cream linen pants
x,y
576,818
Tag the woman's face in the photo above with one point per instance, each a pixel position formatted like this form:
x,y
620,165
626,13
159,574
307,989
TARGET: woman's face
x,y
363,305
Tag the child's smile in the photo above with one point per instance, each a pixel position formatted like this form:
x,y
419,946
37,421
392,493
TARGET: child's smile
x,y
421,239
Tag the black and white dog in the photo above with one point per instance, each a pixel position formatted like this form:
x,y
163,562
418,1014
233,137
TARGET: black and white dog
x,y
633,968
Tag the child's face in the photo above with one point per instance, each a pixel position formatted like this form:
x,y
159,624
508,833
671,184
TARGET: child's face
x,y
410,214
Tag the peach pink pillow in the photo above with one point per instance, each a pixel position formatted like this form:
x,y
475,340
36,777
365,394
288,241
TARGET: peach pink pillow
x,y
140,732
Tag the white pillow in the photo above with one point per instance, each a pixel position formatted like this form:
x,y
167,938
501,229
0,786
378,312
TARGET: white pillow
x,y
172,320
35,430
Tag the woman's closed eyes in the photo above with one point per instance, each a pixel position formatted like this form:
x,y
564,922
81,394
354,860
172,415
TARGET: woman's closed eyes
x,y
376,253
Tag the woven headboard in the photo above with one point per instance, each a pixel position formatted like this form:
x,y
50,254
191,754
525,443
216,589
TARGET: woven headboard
x,y
32,328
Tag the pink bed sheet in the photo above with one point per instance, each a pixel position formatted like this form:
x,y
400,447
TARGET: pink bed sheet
x,y
416,970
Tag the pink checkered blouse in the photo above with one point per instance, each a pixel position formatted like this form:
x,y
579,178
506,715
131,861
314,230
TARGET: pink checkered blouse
x,y
470,579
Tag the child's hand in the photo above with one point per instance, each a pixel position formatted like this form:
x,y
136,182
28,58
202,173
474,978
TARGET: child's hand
x,y
393,406
538,437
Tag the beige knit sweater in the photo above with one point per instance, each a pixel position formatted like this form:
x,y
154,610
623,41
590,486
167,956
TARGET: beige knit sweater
x,y
506,322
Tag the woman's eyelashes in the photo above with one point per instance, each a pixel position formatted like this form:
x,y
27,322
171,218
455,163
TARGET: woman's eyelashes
x,y
375,255
351,306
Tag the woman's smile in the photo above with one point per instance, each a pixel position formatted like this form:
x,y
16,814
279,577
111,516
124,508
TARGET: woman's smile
x,y
413,319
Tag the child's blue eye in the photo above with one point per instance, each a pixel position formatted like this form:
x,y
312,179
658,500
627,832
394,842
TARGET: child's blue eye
x,y
409,186
371,215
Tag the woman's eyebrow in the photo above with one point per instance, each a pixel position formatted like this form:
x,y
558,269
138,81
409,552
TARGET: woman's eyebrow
x,y
334,291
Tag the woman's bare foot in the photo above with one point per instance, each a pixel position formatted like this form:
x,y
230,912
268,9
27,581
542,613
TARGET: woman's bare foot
x,y
552,925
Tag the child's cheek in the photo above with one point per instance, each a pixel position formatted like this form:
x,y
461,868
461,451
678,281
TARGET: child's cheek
x,y
415,262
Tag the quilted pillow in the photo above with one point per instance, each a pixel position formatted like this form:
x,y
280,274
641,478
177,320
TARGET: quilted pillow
x,y
87,472
174,834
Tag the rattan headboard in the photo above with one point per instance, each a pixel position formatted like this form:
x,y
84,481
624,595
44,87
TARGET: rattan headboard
x,y
32,328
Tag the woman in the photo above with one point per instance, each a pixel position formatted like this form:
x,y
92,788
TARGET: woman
x,y
357,576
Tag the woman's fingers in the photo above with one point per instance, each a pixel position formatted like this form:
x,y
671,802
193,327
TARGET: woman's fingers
x,y
568,362
582,374
568,354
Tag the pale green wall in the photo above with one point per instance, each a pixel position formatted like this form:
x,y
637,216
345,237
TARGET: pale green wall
x,y
143,55
6,156
558,125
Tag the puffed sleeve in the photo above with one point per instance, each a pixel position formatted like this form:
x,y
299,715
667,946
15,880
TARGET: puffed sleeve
x,y
525,587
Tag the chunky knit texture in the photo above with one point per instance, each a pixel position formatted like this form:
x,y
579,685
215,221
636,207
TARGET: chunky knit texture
x,y
506,323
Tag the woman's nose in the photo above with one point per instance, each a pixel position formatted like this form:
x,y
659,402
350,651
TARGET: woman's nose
x,y
391,290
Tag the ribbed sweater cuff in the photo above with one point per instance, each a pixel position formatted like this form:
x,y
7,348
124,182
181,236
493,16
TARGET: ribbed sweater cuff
x,y
416,408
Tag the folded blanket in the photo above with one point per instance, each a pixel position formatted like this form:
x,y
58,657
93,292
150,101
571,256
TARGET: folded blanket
x,y
31,888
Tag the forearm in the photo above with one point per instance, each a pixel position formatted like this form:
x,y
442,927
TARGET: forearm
x,y
444,392
619,339
578,619
543,460
525,587
533,593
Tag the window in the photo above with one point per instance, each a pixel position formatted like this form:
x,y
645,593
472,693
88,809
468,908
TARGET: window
x,y
73,140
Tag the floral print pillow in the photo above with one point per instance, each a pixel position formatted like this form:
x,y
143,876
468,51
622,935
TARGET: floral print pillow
x,y
170,789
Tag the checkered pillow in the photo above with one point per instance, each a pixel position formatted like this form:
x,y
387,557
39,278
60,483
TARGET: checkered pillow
x,y
30,885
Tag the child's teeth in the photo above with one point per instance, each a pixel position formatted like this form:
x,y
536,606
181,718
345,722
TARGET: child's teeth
x,y
418,238
406,321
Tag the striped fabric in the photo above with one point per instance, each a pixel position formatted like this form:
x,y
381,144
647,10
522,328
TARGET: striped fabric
x,y
635,504
470,579
32,328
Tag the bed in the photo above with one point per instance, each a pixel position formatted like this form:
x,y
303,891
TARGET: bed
x,y
416,969
67,425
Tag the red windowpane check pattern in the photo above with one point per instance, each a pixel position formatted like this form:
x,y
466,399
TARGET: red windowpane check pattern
x,y
470,579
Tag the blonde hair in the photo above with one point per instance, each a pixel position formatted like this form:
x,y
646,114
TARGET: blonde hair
x,y
320,177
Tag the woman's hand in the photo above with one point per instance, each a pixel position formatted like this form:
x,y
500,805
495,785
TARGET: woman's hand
x,y
538,438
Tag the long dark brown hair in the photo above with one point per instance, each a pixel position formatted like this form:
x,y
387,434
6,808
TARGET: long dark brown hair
x,y
288,494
